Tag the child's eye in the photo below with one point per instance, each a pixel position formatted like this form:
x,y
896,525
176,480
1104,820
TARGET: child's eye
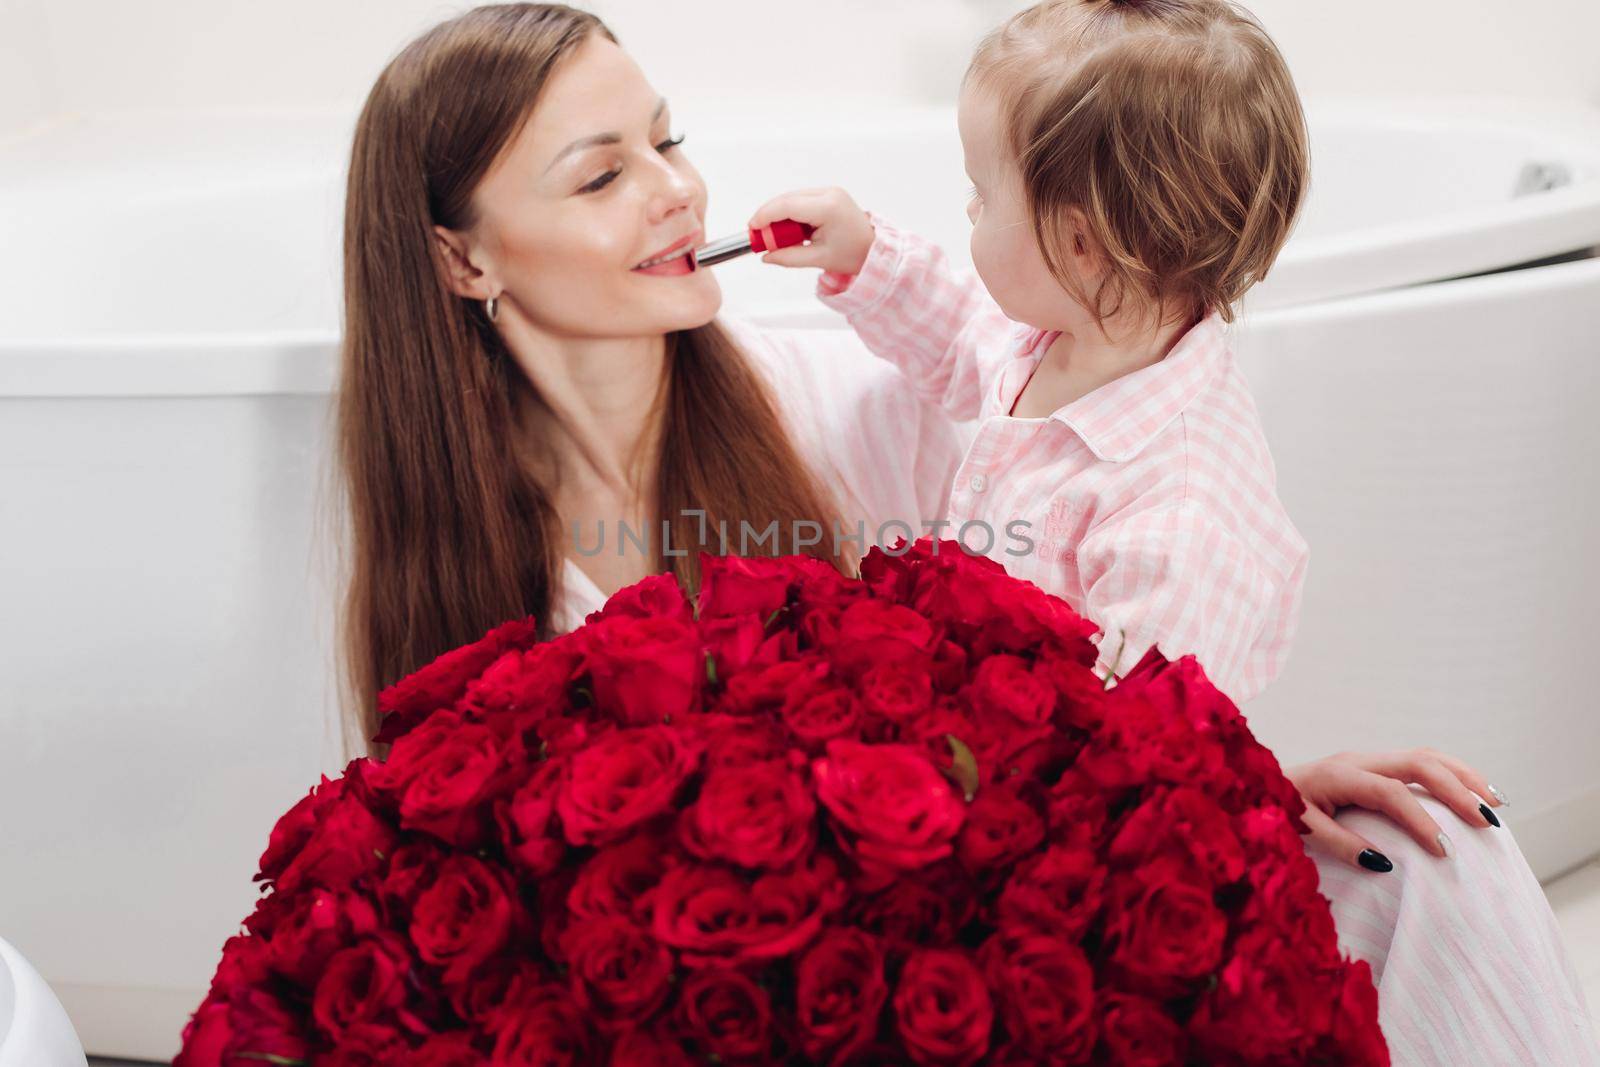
x,y
609,176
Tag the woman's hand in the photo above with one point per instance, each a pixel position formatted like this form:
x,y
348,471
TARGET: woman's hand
x,y
1378,782
843,231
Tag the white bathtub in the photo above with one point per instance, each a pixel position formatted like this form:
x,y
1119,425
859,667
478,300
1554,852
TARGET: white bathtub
x,y
166,354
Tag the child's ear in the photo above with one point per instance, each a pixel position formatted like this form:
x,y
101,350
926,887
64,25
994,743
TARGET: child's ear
x,y
464,278
1081,241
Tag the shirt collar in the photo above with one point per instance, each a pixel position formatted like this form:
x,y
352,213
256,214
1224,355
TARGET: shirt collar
x,y
1123,416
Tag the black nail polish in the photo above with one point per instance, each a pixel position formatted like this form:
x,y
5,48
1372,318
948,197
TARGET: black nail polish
x,y
1494,820
1373,860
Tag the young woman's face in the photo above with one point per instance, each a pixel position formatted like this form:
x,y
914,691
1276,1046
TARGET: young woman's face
x,y
1004,250
593,186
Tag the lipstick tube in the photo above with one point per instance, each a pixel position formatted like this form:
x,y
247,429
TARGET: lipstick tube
x,y
780,234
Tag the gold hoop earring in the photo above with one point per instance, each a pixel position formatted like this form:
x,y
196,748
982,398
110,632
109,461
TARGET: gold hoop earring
x,y
491,306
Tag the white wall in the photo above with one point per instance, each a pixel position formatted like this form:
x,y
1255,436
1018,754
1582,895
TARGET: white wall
x,y
68,57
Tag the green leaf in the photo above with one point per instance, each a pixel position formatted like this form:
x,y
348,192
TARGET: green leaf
x,y
963,768
268,1057
711,669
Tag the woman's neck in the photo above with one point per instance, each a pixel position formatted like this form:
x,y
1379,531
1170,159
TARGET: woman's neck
x,y
590,423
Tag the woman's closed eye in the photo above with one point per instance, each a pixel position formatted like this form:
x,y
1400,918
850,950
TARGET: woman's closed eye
x,y
609,176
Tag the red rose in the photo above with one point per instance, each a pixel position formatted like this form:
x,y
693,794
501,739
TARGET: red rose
x,y
620,880
1045,989
839,991
1164,928
657,596
645,670
1183,820
727,1015
1356,1038
942,1008
262,1026
898,810
310,928
346,842
1057,893
897,693
1008,685
1267,1005
818,710
292,831
1000,829
530,684
873,632
543,1026
441,683
442,773
733,742
761,689
622,780
711,915
464,917
365,983
758,815
206,1035
454,1049
1141,742
735,585
732,643
618,970
1136,1032
926,906
479,999
526,820
412,869
649,1048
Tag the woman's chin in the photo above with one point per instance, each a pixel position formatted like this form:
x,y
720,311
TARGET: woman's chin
x,y
695,303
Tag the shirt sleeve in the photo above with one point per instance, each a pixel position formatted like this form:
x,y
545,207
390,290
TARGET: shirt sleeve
x,y
939,325
1175,578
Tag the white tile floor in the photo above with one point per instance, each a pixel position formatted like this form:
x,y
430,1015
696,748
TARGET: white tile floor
x,y
1575,898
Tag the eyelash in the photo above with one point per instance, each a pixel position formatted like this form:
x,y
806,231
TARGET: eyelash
x,y
606,178
972,193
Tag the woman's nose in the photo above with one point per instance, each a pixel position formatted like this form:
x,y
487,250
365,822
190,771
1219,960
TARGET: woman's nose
x,y
673,190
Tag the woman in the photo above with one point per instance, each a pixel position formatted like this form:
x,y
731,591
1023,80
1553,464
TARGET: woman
x,y
527,360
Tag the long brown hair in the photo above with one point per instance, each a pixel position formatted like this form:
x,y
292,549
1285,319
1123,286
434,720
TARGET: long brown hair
x,y
1174,125
449,533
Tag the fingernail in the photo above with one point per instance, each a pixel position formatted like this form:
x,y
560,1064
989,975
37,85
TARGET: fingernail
x,y
1445,846
1501,797
1494,820
1373,860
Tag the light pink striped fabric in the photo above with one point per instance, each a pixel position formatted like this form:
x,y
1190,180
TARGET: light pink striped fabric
x,y
1149,504
1465,952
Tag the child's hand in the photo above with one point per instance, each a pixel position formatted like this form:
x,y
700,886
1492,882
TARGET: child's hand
x,y
843,232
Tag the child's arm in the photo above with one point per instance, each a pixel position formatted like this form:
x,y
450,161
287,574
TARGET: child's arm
x,y
902,296
1174,576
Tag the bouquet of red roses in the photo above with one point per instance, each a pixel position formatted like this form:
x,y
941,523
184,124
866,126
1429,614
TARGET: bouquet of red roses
x,y
804,819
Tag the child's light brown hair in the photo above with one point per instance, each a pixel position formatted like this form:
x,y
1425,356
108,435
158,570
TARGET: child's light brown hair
x,y
1173,125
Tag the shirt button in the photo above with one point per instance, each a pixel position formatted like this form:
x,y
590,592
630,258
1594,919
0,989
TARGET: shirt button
x,y
979,483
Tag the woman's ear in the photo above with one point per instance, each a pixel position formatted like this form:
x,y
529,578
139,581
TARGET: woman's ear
x,y
464,278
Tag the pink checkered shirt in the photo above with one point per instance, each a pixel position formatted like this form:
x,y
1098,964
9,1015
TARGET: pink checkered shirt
x,y
1149,504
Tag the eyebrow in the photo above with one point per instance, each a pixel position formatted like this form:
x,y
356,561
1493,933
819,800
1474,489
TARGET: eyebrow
x,y
600,138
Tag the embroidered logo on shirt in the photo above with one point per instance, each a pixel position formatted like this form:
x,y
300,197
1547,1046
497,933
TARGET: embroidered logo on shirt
x,y
1058,540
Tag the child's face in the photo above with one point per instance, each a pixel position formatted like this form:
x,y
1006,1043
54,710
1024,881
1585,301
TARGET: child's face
x,y
1004,250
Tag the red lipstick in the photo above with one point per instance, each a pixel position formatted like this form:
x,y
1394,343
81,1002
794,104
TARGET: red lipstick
x,y
780,234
